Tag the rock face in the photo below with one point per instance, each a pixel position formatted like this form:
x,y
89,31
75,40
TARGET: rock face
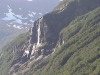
x,y
40,38
44,34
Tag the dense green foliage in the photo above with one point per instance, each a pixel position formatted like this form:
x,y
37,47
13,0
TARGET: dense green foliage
x,y
79,50
7,55
80,54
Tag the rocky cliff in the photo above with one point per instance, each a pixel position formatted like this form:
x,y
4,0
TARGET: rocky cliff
x,y
46,35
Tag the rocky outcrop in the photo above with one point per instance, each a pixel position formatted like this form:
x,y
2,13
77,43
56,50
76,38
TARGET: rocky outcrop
x,y
45,31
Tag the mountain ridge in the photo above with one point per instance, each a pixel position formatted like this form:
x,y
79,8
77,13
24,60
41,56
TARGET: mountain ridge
x,y
71,47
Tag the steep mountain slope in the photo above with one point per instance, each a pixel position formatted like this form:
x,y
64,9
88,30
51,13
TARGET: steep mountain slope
x,y
10,52
46,25
59,43
79,54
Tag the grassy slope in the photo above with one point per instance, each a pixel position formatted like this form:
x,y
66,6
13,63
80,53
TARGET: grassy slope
x,y
80,55
7,56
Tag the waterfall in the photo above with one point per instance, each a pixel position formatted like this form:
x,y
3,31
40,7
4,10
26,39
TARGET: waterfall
x,y
27,52
39,34
33,49
37,44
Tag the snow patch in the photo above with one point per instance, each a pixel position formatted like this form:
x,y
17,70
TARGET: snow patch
x,y
40,14
30,15
18,27
19,16
12,16
8,25
31,20
34,13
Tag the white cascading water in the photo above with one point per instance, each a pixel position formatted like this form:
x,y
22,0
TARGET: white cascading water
x,y
38,44
39,34
27,52
33,49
